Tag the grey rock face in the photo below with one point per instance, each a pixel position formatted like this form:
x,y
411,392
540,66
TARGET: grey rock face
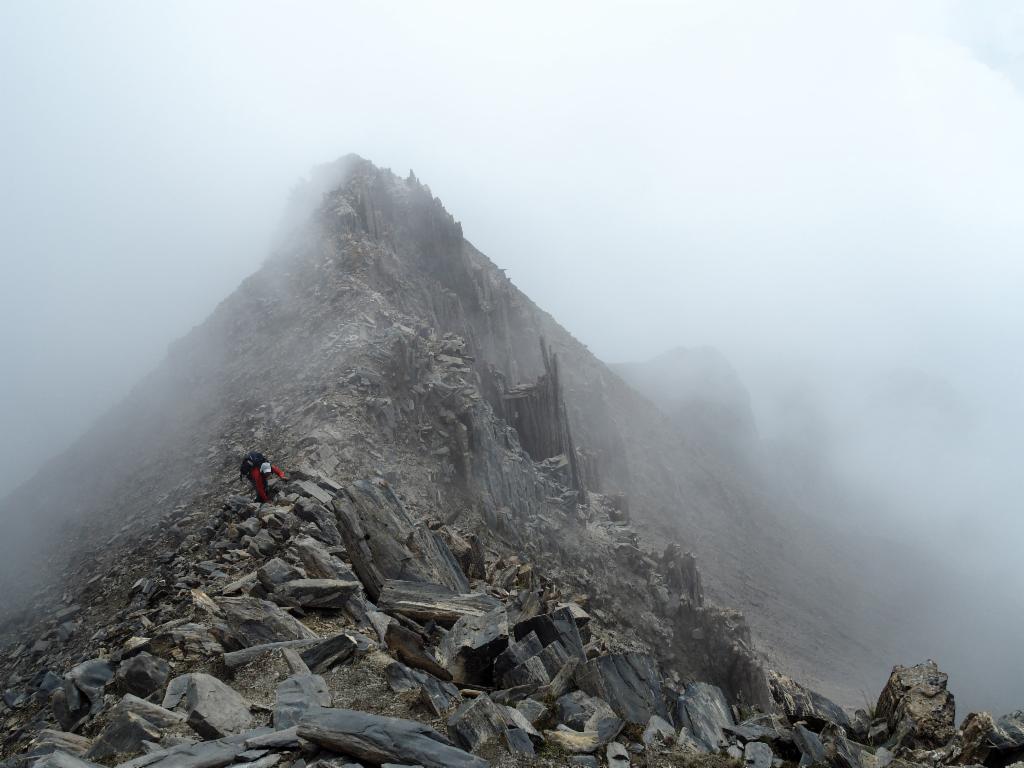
x,y
801,703
378,739
297,695
212,708
142,674
629,682
917,708
704,712
255,622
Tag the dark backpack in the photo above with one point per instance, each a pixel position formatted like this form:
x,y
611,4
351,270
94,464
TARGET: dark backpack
x,y
253,460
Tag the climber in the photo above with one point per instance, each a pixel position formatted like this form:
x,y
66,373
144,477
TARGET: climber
x,y
257,469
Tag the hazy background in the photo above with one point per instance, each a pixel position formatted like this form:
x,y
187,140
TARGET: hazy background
x,y
830,193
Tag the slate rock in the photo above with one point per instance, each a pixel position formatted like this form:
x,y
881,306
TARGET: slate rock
x,y
377,739
917,707
385,543
123,735
251,621
812,751
423,602
60,759
534,711
839,751
582,712
142,675
628,682
276,572
85,683
331,652
617,755
296,695
703,711
469,649
154,713
332,594
318,562
757,754
1007,737
49,740
212,708
518,742
410,648
516,653
659,731
437,695
559,625
477,722
801,703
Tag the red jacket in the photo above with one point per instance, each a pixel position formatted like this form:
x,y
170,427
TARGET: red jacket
x,y
257,479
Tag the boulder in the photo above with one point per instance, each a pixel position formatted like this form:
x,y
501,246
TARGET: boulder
x,y
705,714
123,736
800,703
437,695
377,739
617,756
582,712
658,731
423,601
212,708
469,649
81,694
917,708
250,621
332,594
1007,737
557,626
629,682
296,695
757,754
516,653
142,674
324,520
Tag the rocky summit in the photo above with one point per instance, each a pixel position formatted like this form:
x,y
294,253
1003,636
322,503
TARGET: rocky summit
x,y
479,556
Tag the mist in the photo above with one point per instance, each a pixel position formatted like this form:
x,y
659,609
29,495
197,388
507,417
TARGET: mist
x,y
829,194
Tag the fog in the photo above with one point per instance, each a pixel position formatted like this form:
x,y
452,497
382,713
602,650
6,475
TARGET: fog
x,y
829,193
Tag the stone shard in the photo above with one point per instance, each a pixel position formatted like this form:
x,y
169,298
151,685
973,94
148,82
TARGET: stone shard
x,y
318,562
469,649
154,713
211,708
385,543
917,708
377,739
629,682
423,601
616,755
801,703
332,594
251,621
296,695
49,740
142,674
705,714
